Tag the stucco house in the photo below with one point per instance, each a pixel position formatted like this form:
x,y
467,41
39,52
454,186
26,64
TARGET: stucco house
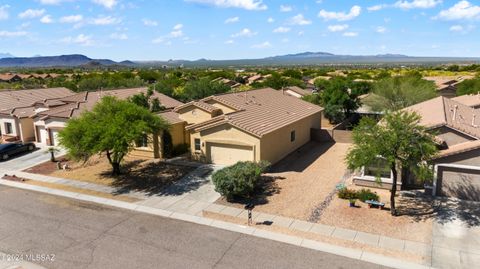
x,y
447,85
263,124
18,106
457,166
49,122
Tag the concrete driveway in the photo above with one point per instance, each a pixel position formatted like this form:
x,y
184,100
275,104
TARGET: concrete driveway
x,y
456,234
25,161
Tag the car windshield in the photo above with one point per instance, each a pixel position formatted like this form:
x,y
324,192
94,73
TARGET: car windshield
x,y
5,146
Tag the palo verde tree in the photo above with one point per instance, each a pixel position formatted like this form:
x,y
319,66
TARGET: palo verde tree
x,y
111,127
399,140
394,93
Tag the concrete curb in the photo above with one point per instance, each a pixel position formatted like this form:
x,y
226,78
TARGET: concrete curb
x,y
292,240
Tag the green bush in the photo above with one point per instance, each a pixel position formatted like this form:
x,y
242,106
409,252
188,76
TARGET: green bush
x,y
239,180
347,194
366,194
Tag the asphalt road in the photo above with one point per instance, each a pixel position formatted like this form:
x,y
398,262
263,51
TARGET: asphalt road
x,y
87,235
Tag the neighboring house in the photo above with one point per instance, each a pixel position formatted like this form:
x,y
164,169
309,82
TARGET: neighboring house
x,y
48,123
18,106
457,165
447,85
10,78
263,124
230,83
471,100
296,91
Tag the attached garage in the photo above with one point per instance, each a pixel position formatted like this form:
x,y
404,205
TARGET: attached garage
x,y
457,182
228,154
54,137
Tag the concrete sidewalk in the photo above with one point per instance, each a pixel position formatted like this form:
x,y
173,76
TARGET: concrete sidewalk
x,y
173,212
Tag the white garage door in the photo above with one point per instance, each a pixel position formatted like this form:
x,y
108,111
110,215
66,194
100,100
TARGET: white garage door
x,y
54,137
460,183
228,154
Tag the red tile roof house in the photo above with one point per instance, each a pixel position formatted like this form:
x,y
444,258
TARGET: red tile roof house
x,y
48,123
17,107
457,166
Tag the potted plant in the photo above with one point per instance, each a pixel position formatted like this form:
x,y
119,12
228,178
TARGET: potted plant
x,y
352,202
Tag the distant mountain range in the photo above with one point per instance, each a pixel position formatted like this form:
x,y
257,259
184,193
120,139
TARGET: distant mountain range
x,y
305,58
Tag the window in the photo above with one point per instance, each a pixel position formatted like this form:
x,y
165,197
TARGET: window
x,y
198,145
292,136
142,142
8,128
378,169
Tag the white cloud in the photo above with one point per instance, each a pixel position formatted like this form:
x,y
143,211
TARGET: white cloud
x,y
178,27
462,10
119,36
229,42
108,20
232,20
264,45
340,16
46,19
350,34
381,30
299,20
243,4
31,13
285,8
281,30
456,28
337,28
176,33
377,7
106,3
244,33
4,12
417,4
71,19
270,20
81,39
148,22
12,34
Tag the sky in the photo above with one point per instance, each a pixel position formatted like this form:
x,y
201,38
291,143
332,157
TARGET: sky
x,y
238,29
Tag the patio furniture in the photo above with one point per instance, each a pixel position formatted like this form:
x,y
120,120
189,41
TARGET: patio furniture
x,y
371,203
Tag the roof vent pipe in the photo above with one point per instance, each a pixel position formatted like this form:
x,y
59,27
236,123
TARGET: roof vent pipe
x,y
455,112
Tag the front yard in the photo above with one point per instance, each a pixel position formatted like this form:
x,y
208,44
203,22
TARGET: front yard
x,y
150,176
305,182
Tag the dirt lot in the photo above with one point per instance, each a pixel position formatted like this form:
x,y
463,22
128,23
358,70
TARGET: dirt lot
x,y
414,222
149,176
303,180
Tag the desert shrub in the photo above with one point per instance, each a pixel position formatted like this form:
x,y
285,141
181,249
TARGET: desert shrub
x,y
366,194
239,180
180,149
347,194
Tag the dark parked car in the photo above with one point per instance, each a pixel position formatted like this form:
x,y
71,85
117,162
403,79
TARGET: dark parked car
x,y
10,149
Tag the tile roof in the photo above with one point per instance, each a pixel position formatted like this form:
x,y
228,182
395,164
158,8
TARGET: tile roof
x,y
298,90
459,148
171,117
80,102
260,111
200,104
10,99
442,82
472,100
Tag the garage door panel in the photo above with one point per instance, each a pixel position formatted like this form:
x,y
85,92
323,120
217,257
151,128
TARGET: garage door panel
x,y
54,137
228,154
460,183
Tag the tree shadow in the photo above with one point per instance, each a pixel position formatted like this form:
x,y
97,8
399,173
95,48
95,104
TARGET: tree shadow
x,y
417,205
449,209
190,182
150,178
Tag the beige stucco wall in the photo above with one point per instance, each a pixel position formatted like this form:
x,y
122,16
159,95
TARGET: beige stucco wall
x,y
277,145
225,134
452,137
178,133
193,115
27,130
11,120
